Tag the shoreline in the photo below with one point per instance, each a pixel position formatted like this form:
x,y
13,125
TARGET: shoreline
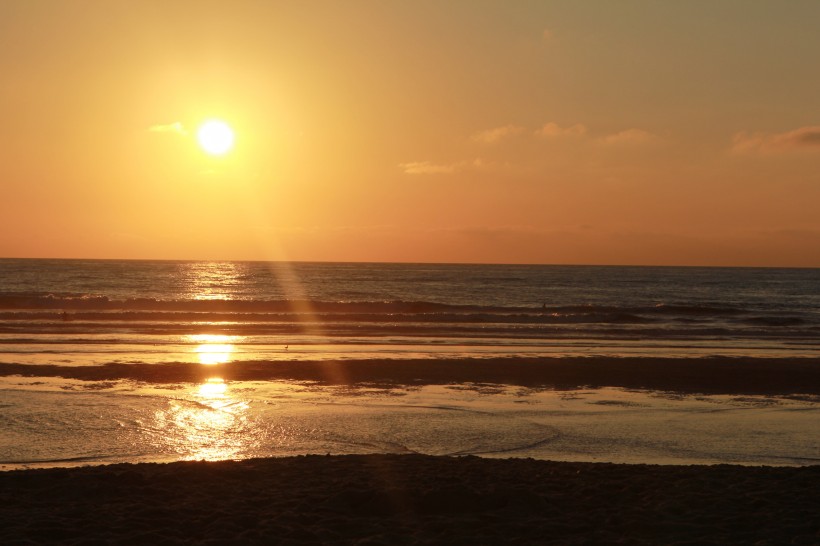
x,y
410,499
705,375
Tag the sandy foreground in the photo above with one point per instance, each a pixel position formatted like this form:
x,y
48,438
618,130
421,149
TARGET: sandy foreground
x,y
410,499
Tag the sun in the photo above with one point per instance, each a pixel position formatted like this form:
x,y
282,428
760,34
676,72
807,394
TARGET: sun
x,y
215,137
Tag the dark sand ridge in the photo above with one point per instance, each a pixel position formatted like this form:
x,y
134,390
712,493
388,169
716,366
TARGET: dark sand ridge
x,y
709,375
409,499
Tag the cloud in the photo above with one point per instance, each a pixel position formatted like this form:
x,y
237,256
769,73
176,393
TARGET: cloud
x,y
546,34
803,138
553,130
175,127
428,167
491,136
629,137
632,136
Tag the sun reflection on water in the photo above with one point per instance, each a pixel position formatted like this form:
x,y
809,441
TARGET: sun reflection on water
x,y
210,425
213,349
214,354
211,280
215,387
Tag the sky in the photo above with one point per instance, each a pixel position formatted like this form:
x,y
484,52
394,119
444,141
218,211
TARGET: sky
x,y
556,132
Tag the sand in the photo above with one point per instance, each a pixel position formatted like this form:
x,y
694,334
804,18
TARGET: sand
x,y
416,499
708,375
409,499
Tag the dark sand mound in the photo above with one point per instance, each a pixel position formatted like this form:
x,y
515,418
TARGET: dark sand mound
x,y
713,375
410,499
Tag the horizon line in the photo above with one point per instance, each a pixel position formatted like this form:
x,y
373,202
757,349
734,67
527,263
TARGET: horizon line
x,y
377,262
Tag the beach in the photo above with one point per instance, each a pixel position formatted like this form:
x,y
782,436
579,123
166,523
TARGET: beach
x,y
250,402
618,410
409,499
379,273
423,499
759,376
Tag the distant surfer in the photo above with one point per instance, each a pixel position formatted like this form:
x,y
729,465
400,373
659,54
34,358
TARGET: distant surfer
x,y
65,316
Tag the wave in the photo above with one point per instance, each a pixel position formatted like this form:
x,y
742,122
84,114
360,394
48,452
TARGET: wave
x,y
102,302
324,317
86,301
775,321
17,309
114,331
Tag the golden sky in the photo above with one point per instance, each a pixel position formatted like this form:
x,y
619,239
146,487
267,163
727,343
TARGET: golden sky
x,y
584,132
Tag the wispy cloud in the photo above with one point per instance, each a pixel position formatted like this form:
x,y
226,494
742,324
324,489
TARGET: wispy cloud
x,y
428,167
175,127
629,137
803,138
491,136
553,130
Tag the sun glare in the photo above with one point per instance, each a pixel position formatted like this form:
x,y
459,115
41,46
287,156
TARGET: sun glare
x,y
212,348
215,137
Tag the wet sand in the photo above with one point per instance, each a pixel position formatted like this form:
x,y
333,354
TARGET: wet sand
x,y
709,375
410,499
417,499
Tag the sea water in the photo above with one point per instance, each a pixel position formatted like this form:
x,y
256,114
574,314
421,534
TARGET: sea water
x,y
79,313
94,311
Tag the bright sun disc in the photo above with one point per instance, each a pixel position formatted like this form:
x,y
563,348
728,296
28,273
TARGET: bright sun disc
x,y
215,137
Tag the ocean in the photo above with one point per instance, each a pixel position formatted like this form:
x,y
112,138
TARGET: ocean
x,y
62,321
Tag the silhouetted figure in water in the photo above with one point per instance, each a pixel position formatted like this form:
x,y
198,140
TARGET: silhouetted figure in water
x,y
65,316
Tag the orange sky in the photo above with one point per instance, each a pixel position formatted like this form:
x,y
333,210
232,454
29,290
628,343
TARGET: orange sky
x,y
592,132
